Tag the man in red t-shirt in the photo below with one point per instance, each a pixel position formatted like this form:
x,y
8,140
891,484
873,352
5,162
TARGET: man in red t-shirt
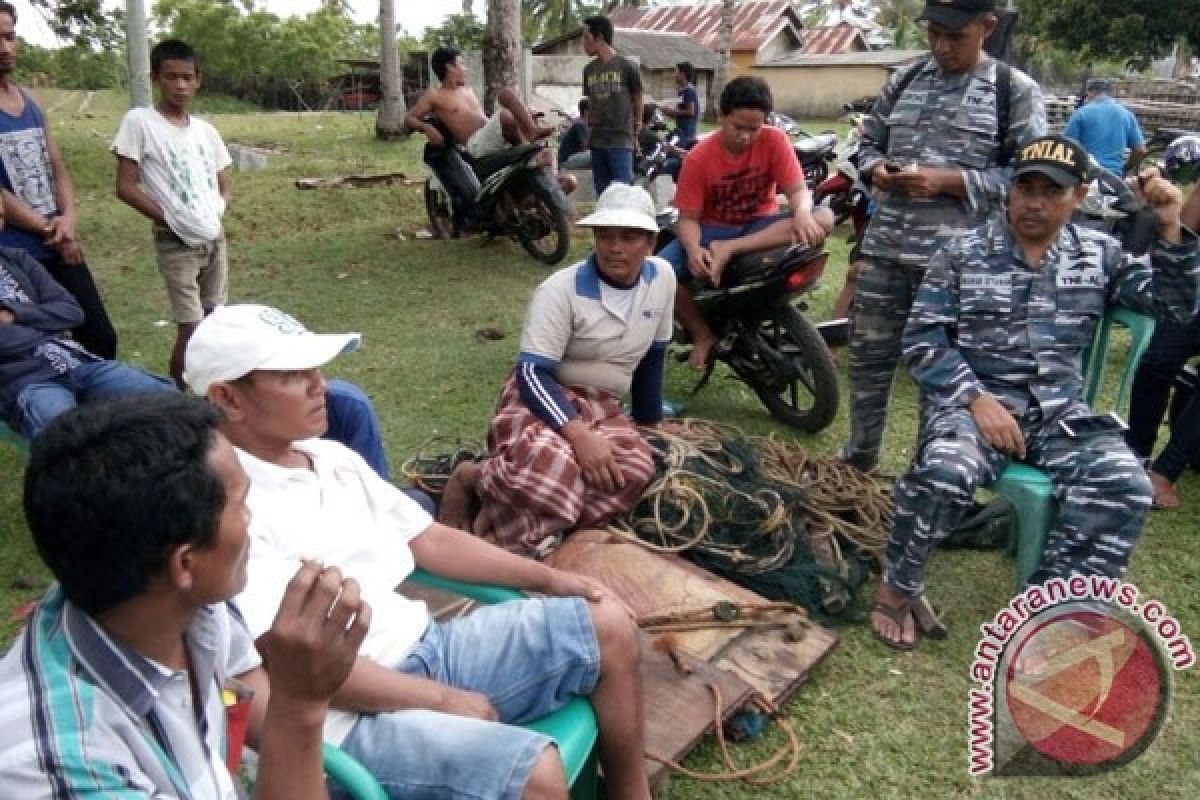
x,y
726,201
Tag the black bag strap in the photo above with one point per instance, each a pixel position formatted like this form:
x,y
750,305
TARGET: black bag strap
x,y
1003,102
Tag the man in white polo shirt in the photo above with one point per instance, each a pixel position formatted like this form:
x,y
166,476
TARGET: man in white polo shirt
x,y
426,705
562,453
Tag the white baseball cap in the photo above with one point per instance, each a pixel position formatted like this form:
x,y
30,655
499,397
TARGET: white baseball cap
x,y
236,340
622,206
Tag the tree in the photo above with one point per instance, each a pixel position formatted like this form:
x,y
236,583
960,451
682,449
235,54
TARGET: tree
x,y
457,30
1136,30
501,48
724,47
900,17
389,121
138,45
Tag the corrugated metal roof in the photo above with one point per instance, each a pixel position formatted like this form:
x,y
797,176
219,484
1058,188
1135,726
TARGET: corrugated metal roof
x,y
882,58
843,38
661,50
755,22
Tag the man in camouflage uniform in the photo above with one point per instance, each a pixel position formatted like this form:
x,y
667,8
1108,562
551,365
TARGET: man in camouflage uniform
x,y
995,342
936,149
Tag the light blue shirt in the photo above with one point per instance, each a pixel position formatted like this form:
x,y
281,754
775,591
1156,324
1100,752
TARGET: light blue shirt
x,y
1106,129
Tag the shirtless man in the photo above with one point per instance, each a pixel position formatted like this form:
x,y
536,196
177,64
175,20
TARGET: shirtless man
x,y
460,111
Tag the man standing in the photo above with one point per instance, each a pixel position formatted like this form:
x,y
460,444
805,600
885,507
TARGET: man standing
x,y
116,687
996,342
1106,129
613,87
686,111
171,168
936,149
39,197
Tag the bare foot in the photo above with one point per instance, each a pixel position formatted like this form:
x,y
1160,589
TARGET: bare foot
x,y
892,620
455,508
701,352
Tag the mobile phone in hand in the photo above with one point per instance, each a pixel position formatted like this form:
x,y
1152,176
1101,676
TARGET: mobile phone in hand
x,y
891,167
1082,427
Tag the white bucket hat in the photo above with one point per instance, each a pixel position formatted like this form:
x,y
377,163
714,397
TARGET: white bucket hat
x,y
622,206
236,340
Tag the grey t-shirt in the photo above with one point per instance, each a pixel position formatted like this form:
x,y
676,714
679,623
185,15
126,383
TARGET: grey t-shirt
x,y
610,89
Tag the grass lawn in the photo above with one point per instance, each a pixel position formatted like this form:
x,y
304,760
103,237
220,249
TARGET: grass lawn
x,y
873,723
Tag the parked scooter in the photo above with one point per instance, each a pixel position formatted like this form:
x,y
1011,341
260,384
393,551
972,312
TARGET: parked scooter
x,y
510,193
815,151
762,334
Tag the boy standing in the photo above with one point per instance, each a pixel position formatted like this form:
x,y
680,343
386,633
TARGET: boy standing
x,y
171,168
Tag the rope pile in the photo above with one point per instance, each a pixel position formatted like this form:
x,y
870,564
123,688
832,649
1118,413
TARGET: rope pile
x,y
761,513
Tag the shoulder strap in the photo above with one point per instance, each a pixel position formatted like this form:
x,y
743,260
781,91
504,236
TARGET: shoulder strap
x,y
909,75
1003,111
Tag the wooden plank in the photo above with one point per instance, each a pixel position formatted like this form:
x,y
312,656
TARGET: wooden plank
x,y
354,181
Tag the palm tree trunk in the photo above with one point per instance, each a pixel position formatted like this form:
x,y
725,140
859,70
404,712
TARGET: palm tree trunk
x,y
725,45
389,122
501,48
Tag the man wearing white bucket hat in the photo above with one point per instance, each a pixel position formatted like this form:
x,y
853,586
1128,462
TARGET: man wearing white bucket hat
x,y
561,452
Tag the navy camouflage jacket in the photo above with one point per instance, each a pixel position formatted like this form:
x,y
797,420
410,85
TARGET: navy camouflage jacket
x,y
984,321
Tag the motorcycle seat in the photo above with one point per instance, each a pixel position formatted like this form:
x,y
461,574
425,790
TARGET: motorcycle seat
x,y
761,263
816,145
493,162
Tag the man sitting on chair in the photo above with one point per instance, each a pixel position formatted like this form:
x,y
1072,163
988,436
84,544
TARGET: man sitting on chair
x,y
427,706
995,342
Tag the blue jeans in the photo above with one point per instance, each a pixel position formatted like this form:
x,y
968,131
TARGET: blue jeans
x,y
609,165
674,254
38,403
529,657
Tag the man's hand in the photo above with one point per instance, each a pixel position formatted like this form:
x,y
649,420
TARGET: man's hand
x,y
314,640
7,317
806,229
434,136
571,584
59,229
1166,200
928,181
882,178
462,703
700,263
998,426
596,460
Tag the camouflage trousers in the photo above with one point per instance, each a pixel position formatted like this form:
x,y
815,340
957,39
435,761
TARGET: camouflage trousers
x,y
882,300
1103,495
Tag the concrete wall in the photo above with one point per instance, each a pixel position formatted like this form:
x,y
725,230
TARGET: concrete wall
x,y
813,91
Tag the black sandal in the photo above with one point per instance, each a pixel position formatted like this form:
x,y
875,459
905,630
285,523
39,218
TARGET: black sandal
x,y
896,614
927,617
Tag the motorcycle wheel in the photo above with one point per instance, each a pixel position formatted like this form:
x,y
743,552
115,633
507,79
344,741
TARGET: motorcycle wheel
x,y
541,226
809,398
441,213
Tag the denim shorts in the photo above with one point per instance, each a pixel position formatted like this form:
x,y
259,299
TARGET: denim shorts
x,y
677,258
529,657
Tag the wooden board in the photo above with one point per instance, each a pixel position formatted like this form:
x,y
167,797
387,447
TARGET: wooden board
x,y
653,583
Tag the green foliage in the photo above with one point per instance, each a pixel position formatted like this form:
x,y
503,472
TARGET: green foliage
x,y
900,17
1135,30
462,31
76,66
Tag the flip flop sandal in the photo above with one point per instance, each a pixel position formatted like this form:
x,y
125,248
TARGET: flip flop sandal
x,y
897,615
928,618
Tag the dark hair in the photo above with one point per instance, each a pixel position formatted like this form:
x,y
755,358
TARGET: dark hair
x,y
688,70
10,9
600,27
112,486
746,91
442,58
172,50
584,105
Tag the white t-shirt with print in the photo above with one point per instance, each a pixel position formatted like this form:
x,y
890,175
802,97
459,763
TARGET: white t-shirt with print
x,y
343,514
179,167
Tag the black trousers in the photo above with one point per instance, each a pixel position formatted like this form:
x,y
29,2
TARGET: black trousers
x,y
96,333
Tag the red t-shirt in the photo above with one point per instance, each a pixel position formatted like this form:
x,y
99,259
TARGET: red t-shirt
x,y
724,189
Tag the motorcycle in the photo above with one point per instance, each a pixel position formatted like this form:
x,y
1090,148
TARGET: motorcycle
x,y
845,192
762,334
815,151
510,193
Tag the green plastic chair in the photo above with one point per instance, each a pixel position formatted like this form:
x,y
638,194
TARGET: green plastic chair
x,y
1029,489
572,727
352,776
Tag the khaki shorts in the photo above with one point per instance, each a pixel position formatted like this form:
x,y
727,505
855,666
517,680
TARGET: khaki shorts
x,y
488,139
197,278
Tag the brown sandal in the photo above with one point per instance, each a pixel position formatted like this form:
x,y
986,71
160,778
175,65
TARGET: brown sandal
x,y
898,615
928,618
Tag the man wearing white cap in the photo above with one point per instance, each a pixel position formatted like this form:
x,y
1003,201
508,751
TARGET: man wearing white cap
x,y
562,453
428,706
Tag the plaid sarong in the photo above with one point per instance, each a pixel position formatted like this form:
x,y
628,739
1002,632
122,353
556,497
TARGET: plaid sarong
x,y
531,488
